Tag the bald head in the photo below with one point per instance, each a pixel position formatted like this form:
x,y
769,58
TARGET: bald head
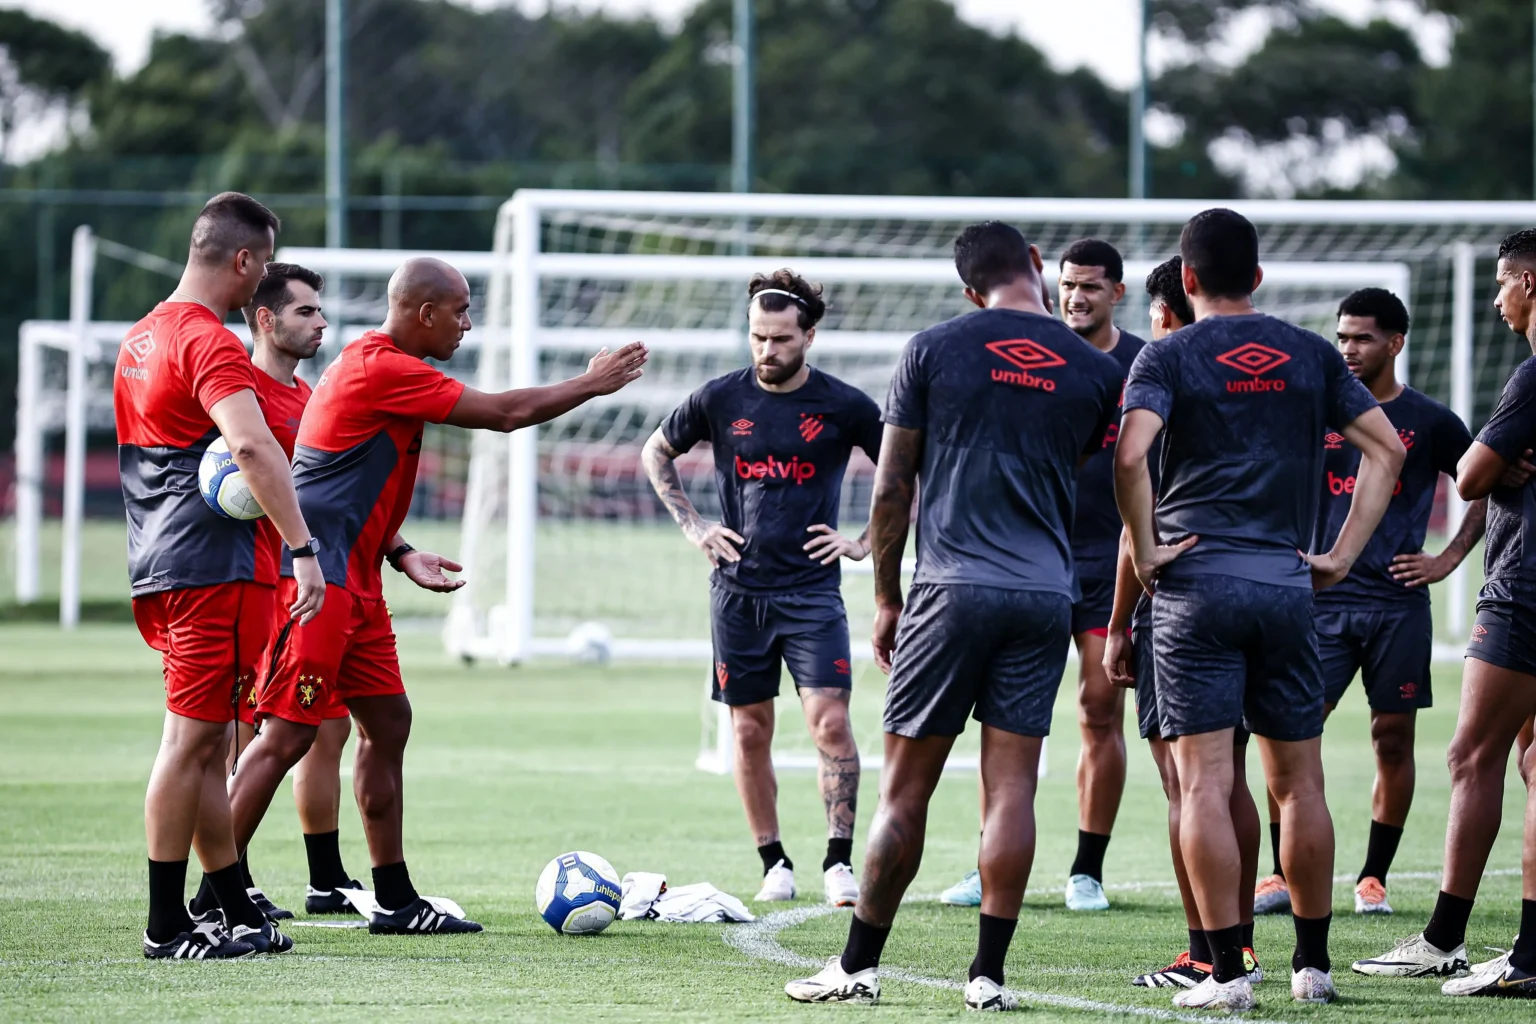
x,y
428,307
422,280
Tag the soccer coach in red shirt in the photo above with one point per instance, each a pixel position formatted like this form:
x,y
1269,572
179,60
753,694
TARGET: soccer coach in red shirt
x,y
183,379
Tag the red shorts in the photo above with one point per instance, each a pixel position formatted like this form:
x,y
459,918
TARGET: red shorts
x,y
246,708
347,651
210,640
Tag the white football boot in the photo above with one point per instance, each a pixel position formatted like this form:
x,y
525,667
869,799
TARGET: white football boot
x,y
1415,958
988,996
1310,985
778,885
1084,892
841,887
835,985
1211,994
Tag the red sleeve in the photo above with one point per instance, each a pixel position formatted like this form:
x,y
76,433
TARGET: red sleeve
x,y
402,385
217,366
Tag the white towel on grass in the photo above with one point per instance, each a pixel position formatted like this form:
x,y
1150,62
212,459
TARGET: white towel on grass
x,y
647,898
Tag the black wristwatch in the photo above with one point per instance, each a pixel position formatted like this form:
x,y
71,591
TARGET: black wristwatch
x,y
393,558
309,550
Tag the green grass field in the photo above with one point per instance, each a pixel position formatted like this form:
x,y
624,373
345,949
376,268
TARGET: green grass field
x,y
509,767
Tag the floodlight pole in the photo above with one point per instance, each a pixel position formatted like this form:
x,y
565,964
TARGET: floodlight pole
x,y
1138,113
744,88
336,123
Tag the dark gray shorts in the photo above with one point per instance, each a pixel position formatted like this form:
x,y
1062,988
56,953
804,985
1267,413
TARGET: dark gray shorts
x,y
1230,652
753,634
997,655
1390,647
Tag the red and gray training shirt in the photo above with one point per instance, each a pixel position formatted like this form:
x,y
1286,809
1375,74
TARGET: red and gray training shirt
x,y
355,462
174,365
283,407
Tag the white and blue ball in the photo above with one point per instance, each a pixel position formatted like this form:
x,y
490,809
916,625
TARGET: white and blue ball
x,y
223,485
578,893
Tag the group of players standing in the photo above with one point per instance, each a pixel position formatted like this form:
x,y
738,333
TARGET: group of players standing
x,y
282,621
1042,517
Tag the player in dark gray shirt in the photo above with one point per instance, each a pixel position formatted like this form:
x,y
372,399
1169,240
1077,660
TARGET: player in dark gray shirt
x,y
1498,683
993,412
1245,400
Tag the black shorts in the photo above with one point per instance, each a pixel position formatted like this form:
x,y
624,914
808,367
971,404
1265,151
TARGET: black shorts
x,y
1505,631
1092,610
1390,647
1146,683
963,649
754,633
1230,652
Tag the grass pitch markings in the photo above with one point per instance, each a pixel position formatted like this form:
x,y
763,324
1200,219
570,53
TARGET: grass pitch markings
x,y
759,940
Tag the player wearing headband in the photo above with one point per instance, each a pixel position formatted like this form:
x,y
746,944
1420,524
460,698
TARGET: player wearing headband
x,y
782,432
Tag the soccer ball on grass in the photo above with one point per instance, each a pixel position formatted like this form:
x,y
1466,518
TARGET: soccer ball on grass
x,y
578,893
223,485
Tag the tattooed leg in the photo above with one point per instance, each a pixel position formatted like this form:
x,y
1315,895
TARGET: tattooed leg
x,y
755,781
826,712
894,848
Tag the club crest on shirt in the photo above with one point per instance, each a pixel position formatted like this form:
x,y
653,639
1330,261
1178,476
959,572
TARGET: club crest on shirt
x,y
811,426
1406,436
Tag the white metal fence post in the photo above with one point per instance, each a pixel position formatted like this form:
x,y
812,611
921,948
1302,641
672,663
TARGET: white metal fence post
x,y
82,272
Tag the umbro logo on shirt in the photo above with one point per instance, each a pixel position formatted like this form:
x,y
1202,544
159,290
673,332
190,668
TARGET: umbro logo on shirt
x,y
1333,440
1256,360
742,427
1027,355
140,345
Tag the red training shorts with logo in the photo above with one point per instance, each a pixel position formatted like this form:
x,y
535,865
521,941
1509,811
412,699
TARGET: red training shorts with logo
x,y
346,651
246,709
210,640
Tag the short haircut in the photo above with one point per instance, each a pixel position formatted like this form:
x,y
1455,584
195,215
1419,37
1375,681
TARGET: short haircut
x,y
1519,246
992,254
1222,248
1166,285
1388,310
274,293
807,300
1094,252
229,222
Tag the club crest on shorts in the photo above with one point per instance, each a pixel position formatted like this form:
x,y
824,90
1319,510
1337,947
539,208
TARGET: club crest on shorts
x,y
722,676
308,690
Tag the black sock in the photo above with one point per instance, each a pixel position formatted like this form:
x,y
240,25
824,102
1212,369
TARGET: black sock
x,y
1226,953
865,943
245,870
323,849
1379,851
392,886
839,851
230,889
992,946
1247,935
1199,946
1274,846
205,899
1523,955
1090,856
772,853
1311,943
1447,926
168,915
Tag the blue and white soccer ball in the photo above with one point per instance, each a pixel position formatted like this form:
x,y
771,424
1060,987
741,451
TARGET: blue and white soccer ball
x,y
223,485
578,893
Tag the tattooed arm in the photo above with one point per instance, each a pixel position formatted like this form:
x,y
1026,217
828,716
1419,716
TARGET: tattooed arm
x,y
890,517
660,461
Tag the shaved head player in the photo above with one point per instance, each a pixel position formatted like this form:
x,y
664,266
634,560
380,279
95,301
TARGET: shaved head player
x,y
355,468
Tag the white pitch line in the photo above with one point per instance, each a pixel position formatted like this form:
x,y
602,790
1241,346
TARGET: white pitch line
x,y
760,941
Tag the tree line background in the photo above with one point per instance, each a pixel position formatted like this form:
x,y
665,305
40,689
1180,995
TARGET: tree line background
x,y
453,109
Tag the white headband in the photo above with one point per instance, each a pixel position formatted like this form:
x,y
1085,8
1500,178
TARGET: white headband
x,y
777,291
